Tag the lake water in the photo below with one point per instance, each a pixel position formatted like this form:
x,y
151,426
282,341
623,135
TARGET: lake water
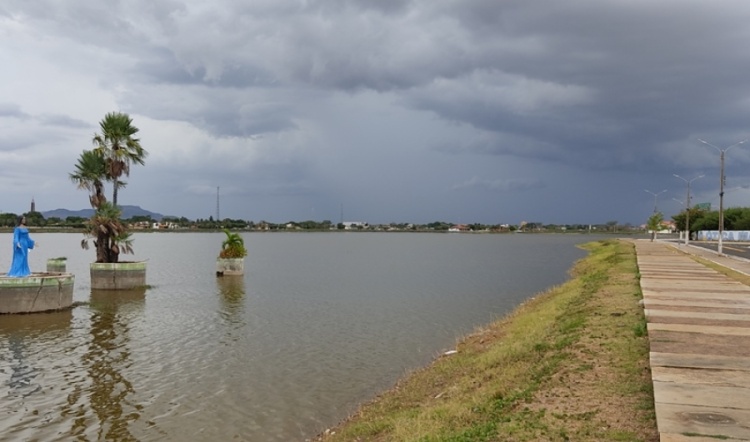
x,y
319,323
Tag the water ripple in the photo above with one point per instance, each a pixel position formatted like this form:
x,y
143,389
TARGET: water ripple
x,y
318,323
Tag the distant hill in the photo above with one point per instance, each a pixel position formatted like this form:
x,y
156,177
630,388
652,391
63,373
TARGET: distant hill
x,y
127,212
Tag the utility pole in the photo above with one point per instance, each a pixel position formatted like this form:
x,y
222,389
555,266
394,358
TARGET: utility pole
x,y
687,206
722,181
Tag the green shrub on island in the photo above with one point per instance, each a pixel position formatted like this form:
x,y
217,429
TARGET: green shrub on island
x,y
233,246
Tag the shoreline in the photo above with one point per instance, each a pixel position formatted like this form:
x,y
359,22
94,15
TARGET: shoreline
x,y
570,363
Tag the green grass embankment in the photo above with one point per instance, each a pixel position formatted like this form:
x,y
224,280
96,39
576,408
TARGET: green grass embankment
x,y
569,364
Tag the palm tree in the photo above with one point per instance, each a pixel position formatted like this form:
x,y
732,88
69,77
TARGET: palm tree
x,y
90,172
110,234
119,148
115,150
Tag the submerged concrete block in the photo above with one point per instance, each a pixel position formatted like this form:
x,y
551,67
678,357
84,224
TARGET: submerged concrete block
x,y
230,266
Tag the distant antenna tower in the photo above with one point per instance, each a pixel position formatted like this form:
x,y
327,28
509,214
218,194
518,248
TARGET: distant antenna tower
x,y
342,213
217,204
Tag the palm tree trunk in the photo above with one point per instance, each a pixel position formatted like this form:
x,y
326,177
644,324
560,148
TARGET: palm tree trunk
x,y
101,247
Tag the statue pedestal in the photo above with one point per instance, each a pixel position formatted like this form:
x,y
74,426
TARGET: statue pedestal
x,y
38,292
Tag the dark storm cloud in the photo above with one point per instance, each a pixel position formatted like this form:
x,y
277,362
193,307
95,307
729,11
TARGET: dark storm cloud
x,y
63,121
11,110
643,71
251,121
507,185
501,96
161,66
13,143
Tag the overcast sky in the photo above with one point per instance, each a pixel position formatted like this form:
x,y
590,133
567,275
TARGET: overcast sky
x,y
490,111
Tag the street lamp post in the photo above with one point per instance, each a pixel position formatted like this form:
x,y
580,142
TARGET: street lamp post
x,y
682,203
687,206
722,179
655,196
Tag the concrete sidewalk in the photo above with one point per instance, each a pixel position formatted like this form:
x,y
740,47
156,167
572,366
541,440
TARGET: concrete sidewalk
x,y
699,331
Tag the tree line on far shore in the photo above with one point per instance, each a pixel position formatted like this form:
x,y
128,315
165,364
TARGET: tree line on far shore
x,y
37,219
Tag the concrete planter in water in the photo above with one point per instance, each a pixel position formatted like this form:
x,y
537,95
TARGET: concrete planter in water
x,y
118,275
56,265
37,292
230,266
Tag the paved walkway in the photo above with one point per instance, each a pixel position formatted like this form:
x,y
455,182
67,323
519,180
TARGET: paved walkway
x,y
699,330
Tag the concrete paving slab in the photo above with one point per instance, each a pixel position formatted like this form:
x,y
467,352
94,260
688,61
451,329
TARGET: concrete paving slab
x,y
699,302
696,285
740,299
700,361
697,344
702,395
698,322
700,329
689,423
668,437
729,317
731,292
722,378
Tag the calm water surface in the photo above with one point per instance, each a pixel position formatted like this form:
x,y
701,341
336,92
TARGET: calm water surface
x,y
319,323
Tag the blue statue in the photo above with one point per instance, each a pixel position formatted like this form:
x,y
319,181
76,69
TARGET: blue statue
x,y
22,242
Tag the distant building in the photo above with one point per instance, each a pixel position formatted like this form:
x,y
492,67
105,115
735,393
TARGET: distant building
x,y
163,226
501,228
349,225
668,226
140,225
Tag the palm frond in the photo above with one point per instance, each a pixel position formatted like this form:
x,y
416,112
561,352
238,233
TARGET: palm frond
x,y
233,246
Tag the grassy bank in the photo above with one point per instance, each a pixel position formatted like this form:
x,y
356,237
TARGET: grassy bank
x,y
569,364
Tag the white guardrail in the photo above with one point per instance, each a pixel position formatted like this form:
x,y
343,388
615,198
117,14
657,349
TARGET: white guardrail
x,y
729,235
